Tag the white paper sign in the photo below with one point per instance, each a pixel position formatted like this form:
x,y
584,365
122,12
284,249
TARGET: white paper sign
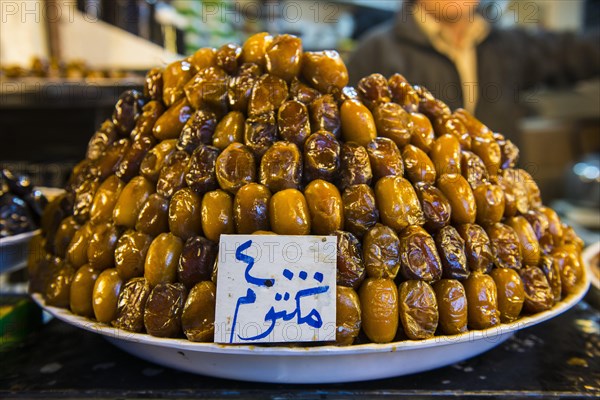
x,y
275,288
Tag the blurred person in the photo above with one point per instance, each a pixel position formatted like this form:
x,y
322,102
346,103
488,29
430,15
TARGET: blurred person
x,y
451,49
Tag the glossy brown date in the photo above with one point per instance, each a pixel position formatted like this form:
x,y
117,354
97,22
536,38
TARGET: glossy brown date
x,y
268,95
284,56
200,173
538,294
418,309
373,90
58,286
478,249
101,248
360,209
170,123
302,92
106,295
540,224
131,305
482,300
127,110
505,245
101,139
350,266
508,150
552,271
381,252
357,123
185,213
515,191
203,58
255,48
235,167
155,159
325,207
571,267
530,247
473,125
293,122
379,309
555,227
451,249
260,132
460,196
289,213
347,316
324,70
76,254
385,158
511,293
153,84
446,154
217,214
418,167
452,306
164,307
227,57
436,207
146,121
251,208
419,258
325,115
239,90
64,235
208,88
196,262
154,216
229,130
162,259
82,290
398,203
130,202
130,254
489,151
393,122
355,166
490,203
281,167
197,130
450,125
174,77
403,93
198,317
132,159
473,169
422,132
321,157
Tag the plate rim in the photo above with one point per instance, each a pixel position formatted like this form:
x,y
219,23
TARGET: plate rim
x,y
19,238
587,254
490,334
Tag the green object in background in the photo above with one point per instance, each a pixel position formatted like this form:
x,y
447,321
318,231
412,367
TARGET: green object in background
x,y
19,316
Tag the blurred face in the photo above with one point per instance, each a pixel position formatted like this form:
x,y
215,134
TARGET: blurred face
x,y
450,11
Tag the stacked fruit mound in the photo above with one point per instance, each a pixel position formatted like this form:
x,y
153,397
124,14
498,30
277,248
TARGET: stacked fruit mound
x,y
438,232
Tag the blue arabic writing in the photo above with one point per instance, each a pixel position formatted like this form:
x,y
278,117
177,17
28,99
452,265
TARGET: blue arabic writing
x,y
312,318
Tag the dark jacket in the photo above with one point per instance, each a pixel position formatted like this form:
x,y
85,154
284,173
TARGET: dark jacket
x,y
509,61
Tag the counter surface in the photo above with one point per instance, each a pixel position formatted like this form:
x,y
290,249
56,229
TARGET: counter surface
x,y
556,359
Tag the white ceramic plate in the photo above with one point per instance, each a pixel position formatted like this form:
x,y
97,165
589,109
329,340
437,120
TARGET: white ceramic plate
x,y
14,251
324,364
588,254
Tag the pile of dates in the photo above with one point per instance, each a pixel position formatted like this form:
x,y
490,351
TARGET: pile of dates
x,y
438,231
21,205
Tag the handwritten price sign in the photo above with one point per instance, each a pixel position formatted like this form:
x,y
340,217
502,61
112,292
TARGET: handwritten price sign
x,y
275,289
